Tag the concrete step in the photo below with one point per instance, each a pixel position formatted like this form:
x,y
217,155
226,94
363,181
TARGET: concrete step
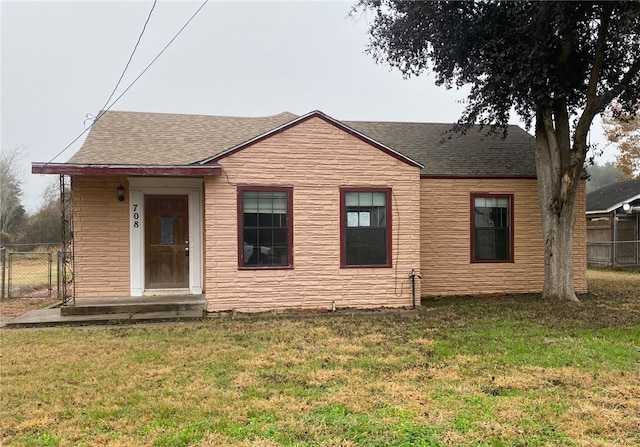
x,y
134,305
53,317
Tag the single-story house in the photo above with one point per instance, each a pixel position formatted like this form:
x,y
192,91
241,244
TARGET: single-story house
x,y
290,211
613,225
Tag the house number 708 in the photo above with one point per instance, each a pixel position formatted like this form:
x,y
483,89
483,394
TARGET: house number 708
x,y
136,216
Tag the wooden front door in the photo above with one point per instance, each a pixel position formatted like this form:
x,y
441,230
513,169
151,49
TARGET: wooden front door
x,y
166,237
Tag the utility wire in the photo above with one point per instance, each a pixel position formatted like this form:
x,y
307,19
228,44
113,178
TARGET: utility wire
x,y
144,27
132,83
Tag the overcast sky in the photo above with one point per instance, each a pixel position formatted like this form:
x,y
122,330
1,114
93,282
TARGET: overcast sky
x,y
61,60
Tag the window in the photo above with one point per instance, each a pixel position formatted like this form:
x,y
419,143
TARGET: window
x,y
492,228
265,227
366,227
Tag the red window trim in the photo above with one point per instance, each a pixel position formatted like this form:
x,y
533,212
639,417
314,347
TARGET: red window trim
x,y
289,191
472,228
343,226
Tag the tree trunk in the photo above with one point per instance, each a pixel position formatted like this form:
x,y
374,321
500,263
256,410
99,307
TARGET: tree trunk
x,y
558,177
558,253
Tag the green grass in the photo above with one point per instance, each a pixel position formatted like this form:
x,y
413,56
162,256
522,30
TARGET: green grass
x,y
507,371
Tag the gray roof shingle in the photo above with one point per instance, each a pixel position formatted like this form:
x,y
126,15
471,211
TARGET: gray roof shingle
x,y
168,139
444,153
172,139
613,195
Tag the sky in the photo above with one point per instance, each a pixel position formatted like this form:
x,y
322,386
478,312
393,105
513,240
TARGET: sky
x,y
61,61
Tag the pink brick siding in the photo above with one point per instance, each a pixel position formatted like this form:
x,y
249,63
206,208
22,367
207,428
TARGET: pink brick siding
x,y
445,240
101,237
430,230
316,159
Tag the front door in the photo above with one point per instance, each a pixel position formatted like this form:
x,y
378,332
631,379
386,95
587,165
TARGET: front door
x,y
166,233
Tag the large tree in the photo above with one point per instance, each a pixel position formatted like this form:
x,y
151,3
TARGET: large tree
x,y
556,64
11,210
44,226
624,130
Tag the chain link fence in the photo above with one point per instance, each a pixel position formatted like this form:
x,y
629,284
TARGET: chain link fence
x,y
30,270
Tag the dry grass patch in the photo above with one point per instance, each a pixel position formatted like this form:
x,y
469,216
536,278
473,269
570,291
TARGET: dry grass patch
x,y
507,371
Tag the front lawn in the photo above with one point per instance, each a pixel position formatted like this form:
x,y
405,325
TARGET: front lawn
x,y
508,371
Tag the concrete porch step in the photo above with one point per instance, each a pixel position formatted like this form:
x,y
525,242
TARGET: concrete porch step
x,y
52,317
115,310
135,305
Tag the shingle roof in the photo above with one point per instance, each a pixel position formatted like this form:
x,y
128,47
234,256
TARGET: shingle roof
x,y
613,196
444,153
172,139
168,139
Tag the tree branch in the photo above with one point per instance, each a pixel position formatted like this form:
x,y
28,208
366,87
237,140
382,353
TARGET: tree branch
x,y
552,139
598,60
601,102
607,97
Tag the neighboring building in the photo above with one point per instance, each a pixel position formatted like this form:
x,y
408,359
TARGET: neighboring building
x,y
613,225
304,212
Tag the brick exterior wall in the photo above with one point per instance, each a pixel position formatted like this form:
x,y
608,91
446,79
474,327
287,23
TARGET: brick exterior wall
x,y
101,237
316,159
446,237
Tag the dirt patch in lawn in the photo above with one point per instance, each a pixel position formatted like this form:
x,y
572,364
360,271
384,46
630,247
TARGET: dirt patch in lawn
x,y
12,307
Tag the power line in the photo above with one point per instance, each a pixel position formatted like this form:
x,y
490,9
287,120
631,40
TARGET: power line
x,y
132,83
144,27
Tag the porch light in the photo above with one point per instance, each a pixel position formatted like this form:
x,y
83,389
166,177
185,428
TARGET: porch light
x,y
121,193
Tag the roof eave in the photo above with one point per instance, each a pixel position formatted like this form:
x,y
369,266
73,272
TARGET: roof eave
x,y
126,170
616,206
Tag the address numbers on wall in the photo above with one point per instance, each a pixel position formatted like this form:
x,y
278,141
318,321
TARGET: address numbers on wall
x,y
136,216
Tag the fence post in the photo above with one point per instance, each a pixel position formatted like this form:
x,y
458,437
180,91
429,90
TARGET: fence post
x,y
2,264
58,273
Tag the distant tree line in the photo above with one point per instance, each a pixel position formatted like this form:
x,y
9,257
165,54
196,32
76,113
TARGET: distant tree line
x,y
16,225
602,175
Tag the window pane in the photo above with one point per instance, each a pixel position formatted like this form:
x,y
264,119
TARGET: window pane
x,y
265,231
265,203
250,204
492,232
379,199
381,217
483,218
352,219
502,244
365,199
280,220
250,220
366,246
280,203
366,228
166,231
351,199
250,247
364,219
265,219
